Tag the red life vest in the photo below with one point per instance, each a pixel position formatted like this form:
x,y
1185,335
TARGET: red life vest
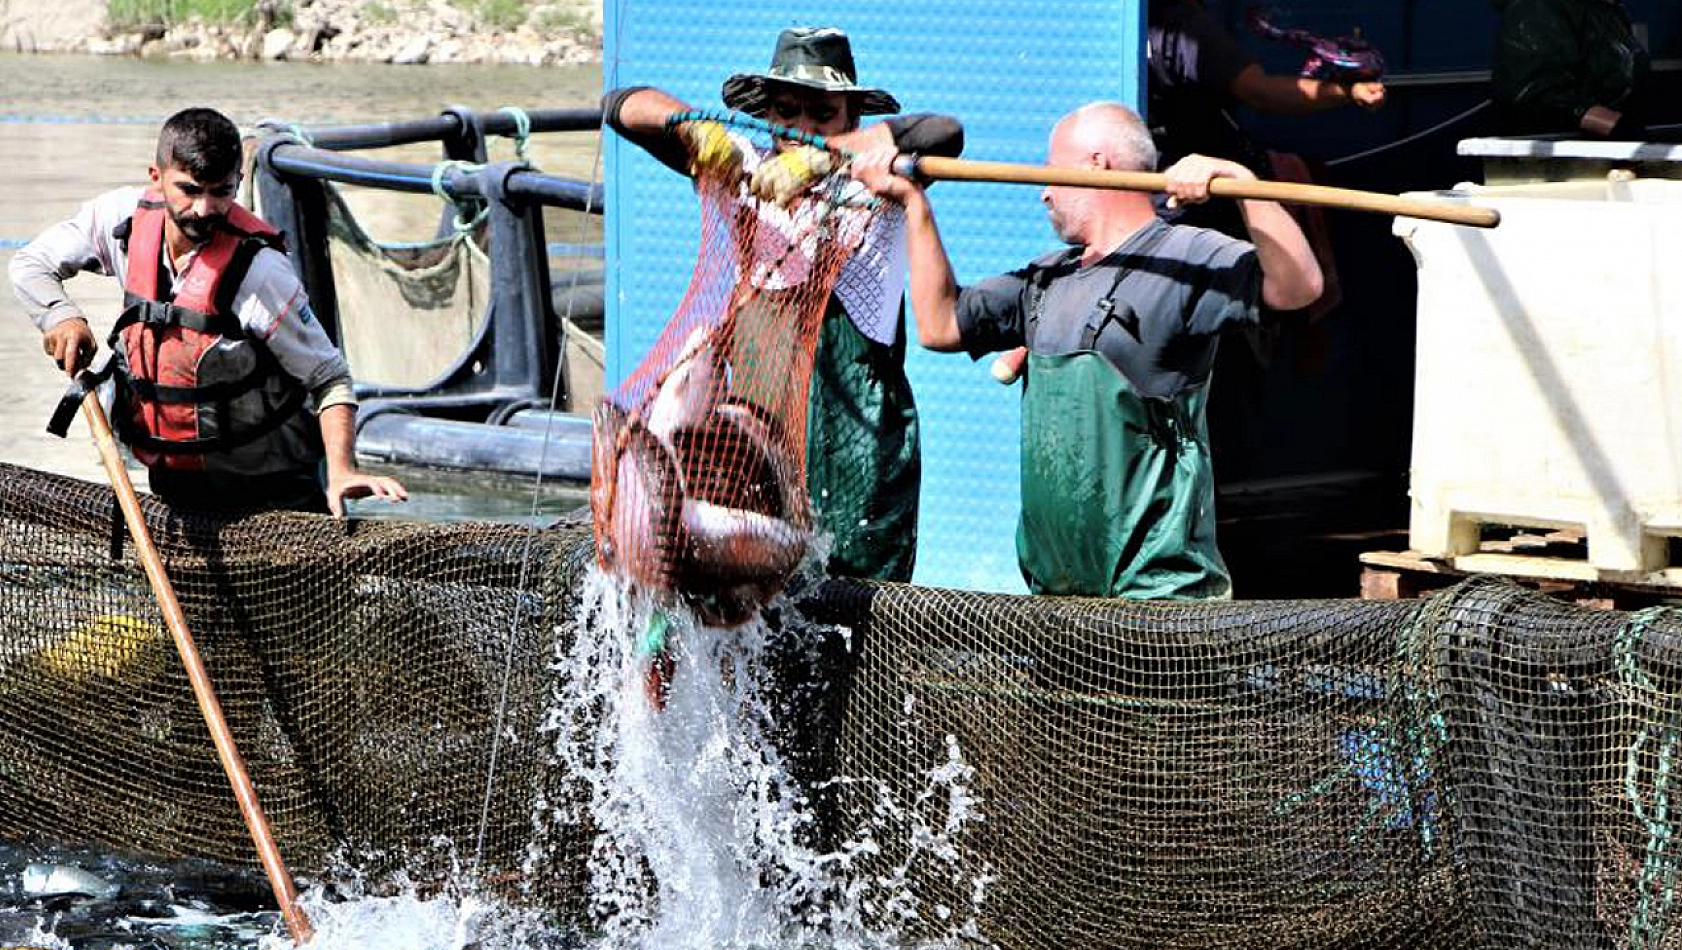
x,y
195,392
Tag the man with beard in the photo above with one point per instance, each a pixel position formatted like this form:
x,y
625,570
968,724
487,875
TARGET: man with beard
x,y
1121,327
228,389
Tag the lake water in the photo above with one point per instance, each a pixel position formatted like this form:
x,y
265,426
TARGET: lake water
x,y
72,127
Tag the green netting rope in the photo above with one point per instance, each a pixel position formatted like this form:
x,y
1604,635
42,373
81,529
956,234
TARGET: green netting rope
x,y
462,225
522,131
1650,920
297,132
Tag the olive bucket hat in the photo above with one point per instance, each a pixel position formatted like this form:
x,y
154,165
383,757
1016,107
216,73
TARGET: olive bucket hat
x,y
817,58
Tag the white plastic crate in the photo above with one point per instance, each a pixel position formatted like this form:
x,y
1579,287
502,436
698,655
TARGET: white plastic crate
x,y
1549,374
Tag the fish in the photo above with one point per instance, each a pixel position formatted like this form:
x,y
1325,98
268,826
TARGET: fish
x,y
689,390
696,496
637,531
45,881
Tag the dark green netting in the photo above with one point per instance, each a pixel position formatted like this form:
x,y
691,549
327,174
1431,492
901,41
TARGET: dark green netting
x,y
1485,768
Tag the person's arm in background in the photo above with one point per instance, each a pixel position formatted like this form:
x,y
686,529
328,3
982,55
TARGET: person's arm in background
x,y
1536,81
1291,277
1301,95
1225,66
916,134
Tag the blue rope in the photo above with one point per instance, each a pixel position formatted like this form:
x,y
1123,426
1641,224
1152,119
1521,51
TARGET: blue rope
x,y
742,120
522,131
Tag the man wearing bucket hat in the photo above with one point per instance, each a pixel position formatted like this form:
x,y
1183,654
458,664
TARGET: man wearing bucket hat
x,y
863,465
862,460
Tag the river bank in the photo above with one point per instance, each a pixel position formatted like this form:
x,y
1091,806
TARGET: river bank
x,y
403,32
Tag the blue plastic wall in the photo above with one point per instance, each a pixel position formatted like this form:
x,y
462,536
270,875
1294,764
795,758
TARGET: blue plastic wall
x,y
1009,69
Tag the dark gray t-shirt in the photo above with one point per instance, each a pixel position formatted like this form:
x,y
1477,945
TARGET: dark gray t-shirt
x,y
1155,307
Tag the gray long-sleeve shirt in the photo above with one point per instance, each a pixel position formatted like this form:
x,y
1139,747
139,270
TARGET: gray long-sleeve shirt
x,y
270,304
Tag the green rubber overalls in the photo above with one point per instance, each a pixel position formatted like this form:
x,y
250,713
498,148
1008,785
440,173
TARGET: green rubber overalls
x,y
1118,494
862,461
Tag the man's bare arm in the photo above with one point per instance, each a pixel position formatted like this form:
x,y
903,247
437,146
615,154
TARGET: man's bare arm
x,y
1300,95
934,287
1291,277
344,479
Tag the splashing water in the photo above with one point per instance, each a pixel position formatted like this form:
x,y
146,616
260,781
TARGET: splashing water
x,y
405,922
703,838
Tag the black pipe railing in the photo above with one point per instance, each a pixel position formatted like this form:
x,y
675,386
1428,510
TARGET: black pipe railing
x,y
512,361
449,125
291,158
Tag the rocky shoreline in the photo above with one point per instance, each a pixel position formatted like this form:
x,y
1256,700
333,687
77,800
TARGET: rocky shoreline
x,y
403,32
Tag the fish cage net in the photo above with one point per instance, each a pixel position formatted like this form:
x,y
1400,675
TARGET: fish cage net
x,y
1484,768
699,476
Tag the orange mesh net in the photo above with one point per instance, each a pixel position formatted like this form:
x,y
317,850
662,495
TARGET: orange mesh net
x,y
699,477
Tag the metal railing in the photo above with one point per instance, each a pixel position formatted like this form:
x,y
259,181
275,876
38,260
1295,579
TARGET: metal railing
x,y
512,362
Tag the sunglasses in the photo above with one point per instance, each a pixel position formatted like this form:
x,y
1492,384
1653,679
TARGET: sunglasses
x,y
787,110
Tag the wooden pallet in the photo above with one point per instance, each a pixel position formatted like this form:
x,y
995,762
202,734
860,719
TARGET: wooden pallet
x,y
1553,563
1621,548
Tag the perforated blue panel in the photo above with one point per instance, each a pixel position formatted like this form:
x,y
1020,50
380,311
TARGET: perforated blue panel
x,y
1009,69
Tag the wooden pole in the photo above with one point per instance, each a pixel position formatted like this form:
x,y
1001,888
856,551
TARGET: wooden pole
x,y
285,891
959,169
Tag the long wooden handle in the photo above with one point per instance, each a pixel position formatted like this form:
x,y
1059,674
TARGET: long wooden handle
x,y
285,891
959,169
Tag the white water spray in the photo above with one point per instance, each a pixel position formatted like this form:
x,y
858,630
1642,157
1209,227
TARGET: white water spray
x,y
704,840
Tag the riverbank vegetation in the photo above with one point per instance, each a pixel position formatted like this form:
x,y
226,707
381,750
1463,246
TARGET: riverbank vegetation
x,y
497,16
141,14
404,32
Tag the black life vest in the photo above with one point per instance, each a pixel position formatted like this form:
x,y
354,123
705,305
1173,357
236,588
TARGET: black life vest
x,y
195,392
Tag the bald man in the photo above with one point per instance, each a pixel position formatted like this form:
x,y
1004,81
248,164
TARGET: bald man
x,y
1121,328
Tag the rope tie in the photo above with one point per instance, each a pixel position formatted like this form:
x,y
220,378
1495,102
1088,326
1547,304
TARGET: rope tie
x,y
522,132
463,225
1425,728
1656,889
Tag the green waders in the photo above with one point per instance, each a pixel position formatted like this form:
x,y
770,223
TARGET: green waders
x,y
1118,495
862,462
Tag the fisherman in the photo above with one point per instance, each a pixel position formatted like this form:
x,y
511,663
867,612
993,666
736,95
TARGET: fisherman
x,y
1569,66
1122,328
228,389
862,460
863,465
